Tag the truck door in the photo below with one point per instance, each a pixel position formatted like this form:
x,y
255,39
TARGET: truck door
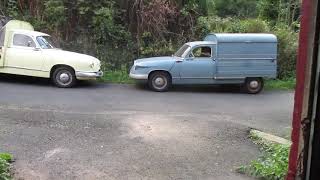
x,y
2,47
23,54
199,66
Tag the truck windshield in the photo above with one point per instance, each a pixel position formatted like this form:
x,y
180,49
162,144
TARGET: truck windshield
x,y
45,42
181,51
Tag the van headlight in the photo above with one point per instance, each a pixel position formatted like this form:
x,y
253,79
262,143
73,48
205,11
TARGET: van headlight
x,y
137,67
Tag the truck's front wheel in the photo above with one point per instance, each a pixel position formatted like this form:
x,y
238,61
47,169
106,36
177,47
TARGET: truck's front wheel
x,y
64,77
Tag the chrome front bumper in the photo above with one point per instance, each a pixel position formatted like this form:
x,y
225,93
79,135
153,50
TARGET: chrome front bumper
x,y
89,75
139,76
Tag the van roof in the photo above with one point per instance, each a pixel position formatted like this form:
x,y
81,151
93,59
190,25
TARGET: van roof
x,y
241,37
194,43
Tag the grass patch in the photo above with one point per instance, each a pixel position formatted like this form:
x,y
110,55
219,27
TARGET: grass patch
x,y
120,77
273,164
287,84
5,159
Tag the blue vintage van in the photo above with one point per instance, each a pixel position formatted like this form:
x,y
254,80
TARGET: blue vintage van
x,y
245,59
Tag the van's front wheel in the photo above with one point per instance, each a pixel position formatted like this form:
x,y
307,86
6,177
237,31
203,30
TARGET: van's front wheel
x,y
159,81
253,85
64,77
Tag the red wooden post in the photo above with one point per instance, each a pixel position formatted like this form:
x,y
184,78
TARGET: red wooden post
x,y
299,94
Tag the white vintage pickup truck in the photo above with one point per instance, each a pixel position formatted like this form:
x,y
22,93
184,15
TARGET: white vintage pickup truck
x,y
24,51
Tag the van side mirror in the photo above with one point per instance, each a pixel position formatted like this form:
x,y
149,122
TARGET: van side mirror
x,y
179,60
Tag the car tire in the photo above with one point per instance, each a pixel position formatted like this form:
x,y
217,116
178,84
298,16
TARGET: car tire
x,y
64,77
159,81
253,85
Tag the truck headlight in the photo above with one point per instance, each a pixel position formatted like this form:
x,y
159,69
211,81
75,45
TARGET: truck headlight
x,y
91,65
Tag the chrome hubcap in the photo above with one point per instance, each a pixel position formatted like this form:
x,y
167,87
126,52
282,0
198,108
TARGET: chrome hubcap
x,y
159,82
254,84
64,77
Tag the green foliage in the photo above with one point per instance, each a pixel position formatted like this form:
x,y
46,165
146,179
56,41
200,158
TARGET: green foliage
x,y
239,8
119,76
5,166
12,9
273,164
117,32
215,24
6,156
250,26
279,84
105,30
283,11
161,48
288,45
55,13
110,39
269,9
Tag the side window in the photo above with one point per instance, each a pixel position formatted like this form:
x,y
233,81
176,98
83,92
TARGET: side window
x,y
23,40
202,52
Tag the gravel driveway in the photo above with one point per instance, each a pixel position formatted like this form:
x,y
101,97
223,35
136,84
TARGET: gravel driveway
x,y
106,131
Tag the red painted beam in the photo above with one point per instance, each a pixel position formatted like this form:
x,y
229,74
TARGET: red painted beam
x,y
299,94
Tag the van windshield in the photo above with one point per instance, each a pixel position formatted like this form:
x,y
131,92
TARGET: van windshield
x,y
45,42
181,51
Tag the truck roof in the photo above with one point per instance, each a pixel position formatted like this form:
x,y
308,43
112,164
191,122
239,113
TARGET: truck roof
x,y
30,33
16,24
241,37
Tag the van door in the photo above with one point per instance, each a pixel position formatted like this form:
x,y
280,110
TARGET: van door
x,y
199,67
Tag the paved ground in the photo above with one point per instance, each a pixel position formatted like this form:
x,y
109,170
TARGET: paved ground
x,y
104,131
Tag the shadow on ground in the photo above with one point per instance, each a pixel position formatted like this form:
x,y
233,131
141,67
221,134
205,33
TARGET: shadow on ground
x,y
36,81
44,82
200,88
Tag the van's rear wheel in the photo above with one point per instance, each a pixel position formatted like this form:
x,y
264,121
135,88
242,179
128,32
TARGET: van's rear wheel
x,y
64,77
159,81
254,85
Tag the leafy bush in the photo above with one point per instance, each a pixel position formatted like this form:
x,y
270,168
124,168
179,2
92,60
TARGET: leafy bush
x,y
288,45
229,25
250,26
150,47
273,164
5,167
208,24
239,8
5,156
